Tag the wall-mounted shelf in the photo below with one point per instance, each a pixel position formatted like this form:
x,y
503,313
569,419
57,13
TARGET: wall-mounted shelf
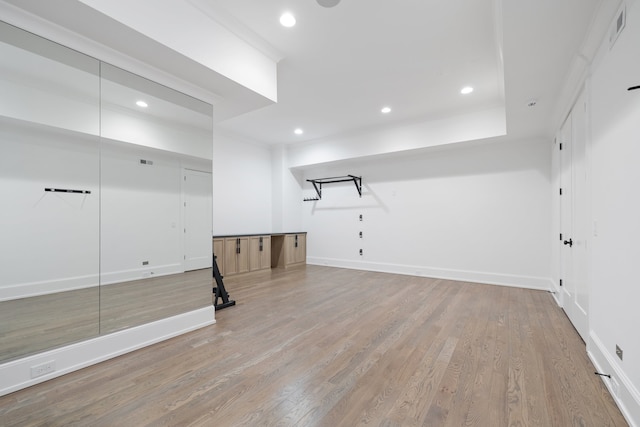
x,y
317,184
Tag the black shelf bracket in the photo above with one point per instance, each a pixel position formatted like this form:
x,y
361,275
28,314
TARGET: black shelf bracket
x,y
317,184
65,190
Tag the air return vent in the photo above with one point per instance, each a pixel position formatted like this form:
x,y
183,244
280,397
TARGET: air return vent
x,y
618,25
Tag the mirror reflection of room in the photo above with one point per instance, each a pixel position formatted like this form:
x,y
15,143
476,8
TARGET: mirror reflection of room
x,y
107,223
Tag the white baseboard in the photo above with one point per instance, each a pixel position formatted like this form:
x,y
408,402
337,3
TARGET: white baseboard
x,y
34,289
556,292
627,398
16,375
517,281
113,277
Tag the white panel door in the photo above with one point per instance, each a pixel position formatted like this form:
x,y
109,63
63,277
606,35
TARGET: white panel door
x,y
575,218
197,219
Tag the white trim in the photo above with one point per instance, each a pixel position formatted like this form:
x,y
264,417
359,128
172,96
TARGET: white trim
x,y
45,287
516,281
27,21
628,397
16,375
114,277
556,292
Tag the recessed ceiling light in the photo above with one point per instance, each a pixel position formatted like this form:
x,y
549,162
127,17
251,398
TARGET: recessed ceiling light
x,y
287,20
142,104
466,90
385,110
298,131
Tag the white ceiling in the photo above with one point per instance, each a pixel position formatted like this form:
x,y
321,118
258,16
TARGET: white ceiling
x,y
341,65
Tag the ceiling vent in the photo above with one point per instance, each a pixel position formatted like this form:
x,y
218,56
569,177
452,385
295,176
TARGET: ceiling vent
x,y
328,3
618,25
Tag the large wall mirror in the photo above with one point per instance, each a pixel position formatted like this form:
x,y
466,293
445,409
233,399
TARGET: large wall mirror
x,y
106,217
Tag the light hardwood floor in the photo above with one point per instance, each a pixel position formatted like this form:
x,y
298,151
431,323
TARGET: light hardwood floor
x,y
321,346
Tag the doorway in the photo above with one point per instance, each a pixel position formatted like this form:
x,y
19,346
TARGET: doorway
x,y
574,217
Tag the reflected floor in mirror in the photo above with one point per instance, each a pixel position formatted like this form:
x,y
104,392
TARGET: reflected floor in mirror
x,y
34,324
133,303
320,346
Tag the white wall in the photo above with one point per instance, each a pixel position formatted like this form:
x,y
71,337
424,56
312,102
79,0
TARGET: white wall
x,y
431,132
477,213
55,86
224,52
49,240
140,213
615,151
241,186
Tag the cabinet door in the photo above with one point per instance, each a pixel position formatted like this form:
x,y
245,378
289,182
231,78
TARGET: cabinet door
x,y
243,255
230,260
218,251
289,249
265,254
301,250
254,253
236,255
259,252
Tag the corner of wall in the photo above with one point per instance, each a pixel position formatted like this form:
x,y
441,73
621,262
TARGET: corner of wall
x,y
626,396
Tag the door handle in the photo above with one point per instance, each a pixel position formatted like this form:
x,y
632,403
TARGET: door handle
x,y
569,242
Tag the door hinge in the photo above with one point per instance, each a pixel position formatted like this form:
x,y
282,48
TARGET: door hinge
x,y
560,236
560,282
561,191
561,146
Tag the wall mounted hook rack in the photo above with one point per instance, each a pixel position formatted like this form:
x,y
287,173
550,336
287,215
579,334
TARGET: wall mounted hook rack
x,y
317,184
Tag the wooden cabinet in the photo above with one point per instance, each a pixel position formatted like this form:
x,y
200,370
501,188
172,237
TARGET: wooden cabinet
x,y
218,251
236,255
243,254
288,250
259,253
295,251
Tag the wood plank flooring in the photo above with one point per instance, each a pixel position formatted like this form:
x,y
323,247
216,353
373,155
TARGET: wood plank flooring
x,y
321,346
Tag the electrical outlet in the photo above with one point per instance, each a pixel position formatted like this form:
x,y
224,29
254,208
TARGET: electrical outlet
x,y
618,352
43,368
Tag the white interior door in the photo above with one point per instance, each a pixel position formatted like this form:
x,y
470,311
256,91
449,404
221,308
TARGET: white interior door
x,y
197,189
574,218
